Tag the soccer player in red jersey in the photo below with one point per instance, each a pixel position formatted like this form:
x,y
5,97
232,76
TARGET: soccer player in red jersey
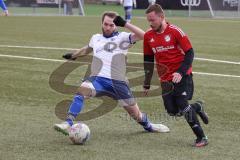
x,y
171,48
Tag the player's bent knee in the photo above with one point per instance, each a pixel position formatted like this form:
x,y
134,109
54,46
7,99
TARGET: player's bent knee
x,y
133,105
83,91
127,102
172,110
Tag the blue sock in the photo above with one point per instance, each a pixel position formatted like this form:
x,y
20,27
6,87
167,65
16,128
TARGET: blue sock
x,y
75,108
145,122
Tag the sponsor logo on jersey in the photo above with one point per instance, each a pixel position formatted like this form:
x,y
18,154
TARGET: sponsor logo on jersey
x,y
154,50
164,48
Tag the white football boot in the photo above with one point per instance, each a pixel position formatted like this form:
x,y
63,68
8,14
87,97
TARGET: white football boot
x,y
157,127
63,128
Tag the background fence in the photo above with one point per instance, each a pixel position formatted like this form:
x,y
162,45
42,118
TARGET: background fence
x,y
193,8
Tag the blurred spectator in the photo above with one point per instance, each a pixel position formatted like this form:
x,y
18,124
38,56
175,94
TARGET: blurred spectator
x,y
68,5
128,6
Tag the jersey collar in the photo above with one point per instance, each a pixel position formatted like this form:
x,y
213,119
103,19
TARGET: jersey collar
x,y
164,29
111,35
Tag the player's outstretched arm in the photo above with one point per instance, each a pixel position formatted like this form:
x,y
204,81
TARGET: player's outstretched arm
x,y
138,33
81,52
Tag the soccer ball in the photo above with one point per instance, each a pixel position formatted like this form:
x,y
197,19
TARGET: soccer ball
x,y
79,133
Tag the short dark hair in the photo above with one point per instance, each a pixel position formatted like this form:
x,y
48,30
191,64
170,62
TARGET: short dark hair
x,y
154,8
110,14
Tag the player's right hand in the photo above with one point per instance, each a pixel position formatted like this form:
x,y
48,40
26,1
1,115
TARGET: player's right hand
x,y
119,21
146,89
177,77
68,56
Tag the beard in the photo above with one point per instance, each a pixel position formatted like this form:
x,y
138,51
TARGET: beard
x,y
107,33
159,29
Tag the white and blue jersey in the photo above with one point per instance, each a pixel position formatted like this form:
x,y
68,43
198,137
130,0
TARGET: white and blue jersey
x,y
108,68
109,55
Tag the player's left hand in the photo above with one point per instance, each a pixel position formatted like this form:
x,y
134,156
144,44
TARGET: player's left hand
x,y
177,77
119,21
69,56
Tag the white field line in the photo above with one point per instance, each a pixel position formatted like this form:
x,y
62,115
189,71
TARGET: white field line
x,y
57,48
57,60
204,59
216,74
36,47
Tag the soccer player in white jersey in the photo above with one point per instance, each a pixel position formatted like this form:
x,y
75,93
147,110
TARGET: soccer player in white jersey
x,y
108,72
128,6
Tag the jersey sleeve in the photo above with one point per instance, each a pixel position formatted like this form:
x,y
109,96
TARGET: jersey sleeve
x,y
182,39
146,48
91,42
127,37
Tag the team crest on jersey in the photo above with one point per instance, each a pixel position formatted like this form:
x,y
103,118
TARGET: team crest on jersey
x,y
167,38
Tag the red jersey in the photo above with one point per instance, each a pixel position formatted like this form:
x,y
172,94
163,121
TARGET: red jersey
x,y
168,48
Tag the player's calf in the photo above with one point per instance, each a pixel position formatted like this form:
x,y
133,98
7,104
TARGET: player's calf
x,y
199,108
74,109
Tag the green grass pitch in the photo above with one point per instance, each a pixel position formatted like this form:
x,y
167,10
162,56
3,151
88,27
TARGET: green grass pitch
x,y
27,102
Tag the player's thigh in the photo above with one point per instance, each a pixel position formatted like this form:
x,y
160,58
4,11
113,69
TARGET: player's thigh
x,y
190,87
184,87
170,104
182,102
86,89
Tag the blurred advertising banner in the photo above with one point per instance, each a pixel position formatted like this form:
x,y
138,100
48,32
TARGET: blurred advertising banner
x,y
47,1
200,4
